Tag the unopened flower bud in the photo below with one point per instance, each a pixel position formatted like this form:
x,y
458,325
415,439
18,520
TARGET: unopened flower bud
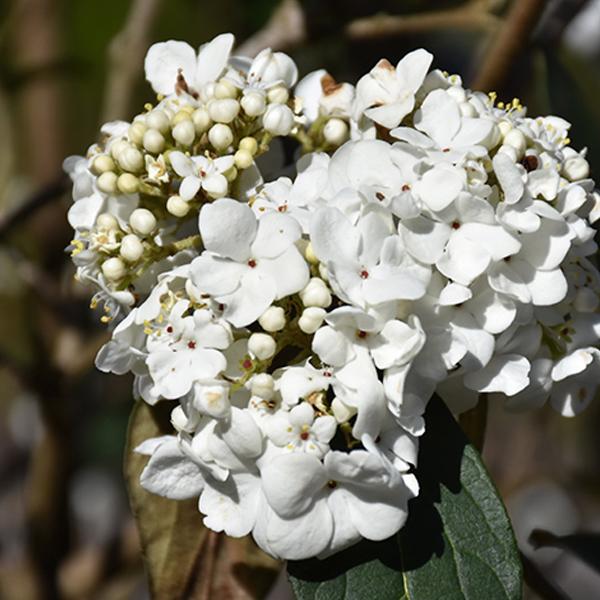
x,y
136,133
113,269
576,168
517,140
154,141
316,293
220,136
273,319
106,221
341,411
323,272
225,89
263,385
180,117
131,159
243,159
177,207
117,147
102,163
224,111
142,221
249,144
261,345
310,255
128,183
231,174
335,131
107,182
278,95
279,119
457,93
201,120
158,119
467,109
132,248
505,127
311,319
207,91
184,133
253,104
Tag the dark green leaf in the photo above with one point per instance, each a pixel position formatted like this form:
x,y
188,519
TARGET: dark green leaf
x,y
457,543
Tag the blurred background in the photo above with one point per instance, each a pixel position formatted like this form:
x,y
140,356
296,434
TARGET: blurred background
x,y
68,66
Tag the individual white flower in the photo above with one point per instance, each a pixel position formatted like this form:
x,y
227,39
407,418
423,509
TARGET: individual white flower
x,y
166,60
201,172
248,262
387,94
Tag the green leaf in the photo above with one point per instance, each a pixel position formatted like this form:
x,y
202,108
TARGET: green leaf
x,y
457,543
182,558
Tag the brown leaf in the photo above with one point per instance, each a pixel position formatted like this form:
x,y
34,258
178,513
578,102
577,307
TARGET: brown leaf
x,y
183,559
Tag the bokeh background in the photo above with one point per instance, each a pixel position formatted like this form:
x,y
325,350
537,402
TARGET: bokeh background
x,y
66,66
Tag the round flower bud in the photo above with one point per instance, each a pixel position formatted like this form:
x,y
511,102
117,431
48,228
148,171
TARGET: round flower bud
x,y
311,319
457,93
131,159
341,411
201,120
128,183
576,168
467,109
180,117
223,111
184,133
106,221
310,255
118,146
225,89
216,186
263,385
136,132
177,207
509,151
107,182
273,319
505,127
158,119
102,163
207,91
113,269
249,144
335,132
517,140
132,248
231,173
220,136
278,95
316,293
253,104
261,345
142,221
279,119
154,141
243,159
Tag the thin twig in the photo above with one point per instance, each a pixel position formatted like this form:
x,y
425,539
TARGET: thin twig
x,y
473,422
285,29
126,53
512,39
469,17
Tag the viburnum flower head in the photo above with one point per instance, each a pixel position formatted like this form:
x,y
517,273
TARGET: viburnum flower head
x,y
427,242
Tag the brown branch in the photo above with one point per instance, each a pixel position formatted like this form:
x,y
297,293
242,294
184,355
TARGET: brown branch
x,y
126,54
512,39
473,422
471,16
285,29
539,583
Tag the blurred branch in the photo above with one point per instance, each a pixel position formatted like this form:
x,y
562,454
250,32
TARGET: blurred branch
x,y
539,583
285,29
126,53
473,422
556,19
473,15
512,40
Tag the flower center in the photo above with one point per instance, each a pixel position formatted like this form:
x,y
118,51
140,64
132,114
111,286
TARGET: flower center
x,y
191,345
252,263
364,274
304,435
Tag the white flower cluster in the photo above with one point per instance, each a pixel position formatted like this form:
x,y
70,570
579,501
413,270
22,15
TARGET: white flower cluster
x,y
432,240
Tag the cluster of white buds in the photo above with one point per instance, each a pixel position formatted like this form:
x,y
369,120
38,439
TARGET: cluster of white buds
x,y
432,240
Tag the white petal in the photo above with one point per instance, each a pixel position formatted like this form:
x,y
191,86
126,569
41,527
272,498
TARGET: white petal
x,y
241,433
398,343
508,374
276,233
509,178
573,363
454,293
332,346
288,271
440,186
463,260
163,62
424,239
182,165
217,276
83,213
228,228
333,237
212,59
189,187
413,67
493,238
439,118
